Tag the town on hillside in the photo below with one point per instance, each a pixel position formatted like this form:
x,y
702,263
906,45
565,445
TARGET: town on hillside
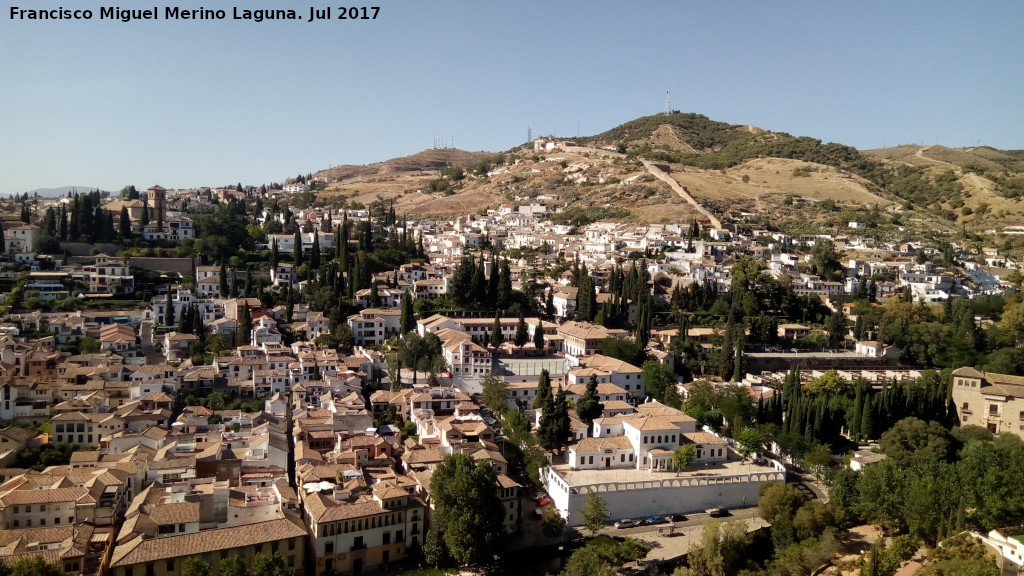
x,y
269,381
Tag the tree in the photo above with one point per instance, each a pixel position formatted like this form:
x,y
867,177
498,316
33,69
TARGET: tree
x,y
232,566
468,512
434,550
193,566
245,325
912,439
169,309
297,249
594,512
125,224
588,407
749,441
33,565
408,319
552,524
543,399
775,499
657,378
494,391
269,565
554,423
497,338
683,456
538,333
521,336
314,252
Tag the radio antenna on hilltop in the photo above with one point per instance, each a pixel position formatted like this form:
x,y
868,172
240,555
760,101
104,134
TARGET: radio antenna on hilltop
x,y
668,102
529,134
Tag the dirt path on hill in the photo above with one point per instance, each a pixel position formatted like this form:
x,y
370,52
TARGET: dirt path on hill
x,y
920,154
664,177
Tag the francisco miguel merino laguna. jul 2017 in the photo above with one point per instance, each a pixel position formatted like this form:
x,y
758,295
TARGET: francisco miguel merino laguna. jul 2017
x,y
179,13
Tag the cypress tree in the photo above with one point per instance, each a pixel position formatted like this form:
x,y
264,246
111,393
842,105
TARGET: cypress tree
x,y
223,280
492,287
538,335
867,422
543,399
314,252
521,335
297,250
497,338
374,296
245,326
504,299
169,309
408,320
274,256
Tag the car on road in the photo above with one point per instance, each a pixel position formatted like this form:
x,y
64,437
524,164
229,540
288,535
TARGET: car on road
x,y
655,520
539,496
677,518
625,523
544,502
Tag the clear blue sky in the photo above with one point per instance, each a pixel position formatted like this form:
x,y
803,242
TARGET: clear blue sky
x,y
207,103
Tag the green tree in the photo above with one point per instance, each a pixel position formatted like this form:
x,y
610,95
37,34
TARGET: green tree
x,y
494,391
408,319
589,407
31,566
169,308
538,332
467,510
434,550
497,338
232,566
193,566
521,336
554,423
683,456
264,564
749,441
657,378
775,499
552,524
594,512
543,399
245,325
125,224
912,439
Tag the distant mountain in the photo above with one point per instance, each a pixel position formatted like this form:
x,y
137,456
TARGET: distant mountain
x,y
61,191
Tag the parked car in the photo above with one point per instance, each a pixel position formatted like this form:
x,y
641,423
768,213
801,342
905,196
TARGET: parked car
x,y
625,523
677,518
539,496
654,520
544,502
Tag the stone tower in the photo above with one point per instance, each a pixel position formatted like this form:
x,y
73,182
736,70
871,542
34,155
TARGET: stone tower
x,y
157,200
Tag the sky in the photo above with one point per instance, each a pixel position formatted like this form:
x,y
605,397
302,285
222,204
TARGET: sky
x,y
104,103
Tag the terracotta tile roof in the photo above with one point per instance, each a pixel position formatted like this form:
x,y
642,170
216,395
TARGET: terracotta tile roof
x,y
141,550
704,438
599,444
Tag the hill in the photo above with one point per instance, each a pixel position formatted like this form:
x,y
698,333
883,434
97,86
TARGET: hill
x,y
736,171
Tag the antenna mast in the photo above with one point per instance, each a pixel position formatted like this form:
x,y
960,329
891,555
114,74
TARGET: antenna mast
x,y
668,102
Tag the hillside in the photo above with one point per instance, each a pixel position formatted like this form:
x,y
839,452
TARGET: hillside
x,y
733,170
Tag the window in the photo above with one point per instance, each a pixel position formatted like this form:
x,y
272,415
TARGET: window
x,y
170,565
387,538
329,547
399,536
965,408
993,410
